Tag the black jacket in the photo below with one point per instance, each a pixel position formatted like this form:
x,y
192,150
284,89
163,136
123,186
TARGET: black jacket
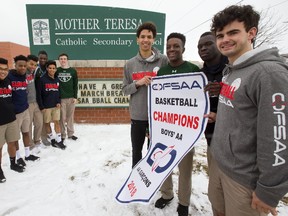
x,y
214,74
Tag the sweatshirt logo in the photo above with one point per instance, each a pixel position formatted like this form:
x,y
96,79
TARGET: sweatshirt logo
x,y
51,86
279,105
30,78
64,77
227,92
140,74
19,85
6,92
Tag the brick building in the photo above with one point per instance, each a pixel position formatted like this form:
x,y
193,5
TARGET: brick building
x,y
90,69
100,69
9,50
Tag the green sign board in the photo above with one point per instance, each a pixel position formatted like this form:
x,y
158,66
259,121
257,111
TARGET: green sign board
x,y
89,32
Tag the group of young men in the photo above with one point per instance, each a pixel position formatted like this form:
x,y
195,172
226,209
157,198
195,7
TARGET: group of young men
x,y
246,132
32,96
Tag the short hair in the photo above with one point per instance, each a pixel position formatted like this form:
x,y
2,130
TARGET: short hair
x,y
51,62
148,26
177,35
20,58
32,57
43,52
63,54
3,61
244,13
206,34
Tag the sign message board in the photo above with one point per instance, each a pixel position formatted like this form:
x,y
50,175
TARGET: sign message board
x,y
89,32
101,93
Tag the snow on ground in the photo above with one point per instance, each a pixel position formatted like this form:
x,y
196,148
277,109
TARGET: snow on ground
x,y
84,179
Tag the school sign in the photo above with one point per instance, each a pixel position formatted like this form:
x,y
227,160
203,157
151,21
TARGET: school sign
x,y
89,32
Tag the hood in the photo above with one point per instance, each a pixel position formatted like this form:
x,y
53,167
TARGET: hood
x,y
255,56
14,73
152,58
215,69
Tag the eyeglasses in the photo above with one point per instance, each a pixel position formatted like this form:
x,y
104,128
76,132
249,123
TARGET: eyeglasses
x,y
3,69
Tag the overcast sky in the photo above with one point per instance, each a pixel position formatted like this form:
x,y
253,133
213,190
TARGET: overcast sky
x,y
190,17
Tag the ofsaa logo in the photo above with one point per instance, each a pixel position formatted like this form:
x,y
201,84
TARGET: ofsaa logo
x,y
40,31
161,157
280,136
176,85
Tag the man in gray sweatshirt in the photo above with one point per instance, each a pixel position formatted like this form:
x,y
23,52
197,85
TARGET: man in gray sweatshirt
x,y
249,171
36,116
138,72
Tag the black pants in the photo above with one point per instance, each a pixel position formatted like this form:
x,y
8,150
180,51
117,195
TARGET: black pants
x,y
138,134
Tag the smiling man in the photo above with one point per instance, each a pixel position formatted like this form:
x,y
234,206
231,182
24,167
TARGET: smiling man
x,y
248,172
175,48
138,72
214,63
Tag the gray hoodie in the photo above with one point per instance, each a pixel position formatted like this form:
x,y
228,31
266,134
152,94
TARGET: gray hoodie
x,y
31,87
135,69
250,138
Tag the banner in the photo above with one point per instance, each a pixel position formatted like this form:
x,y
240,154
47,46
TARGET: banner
x,y
177,104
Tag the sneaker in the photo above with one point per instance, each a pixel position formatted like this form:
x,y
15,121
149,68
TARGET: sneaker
x,y
32,158
53,143
161,202
182,210
2,177
73,137
17,168
59,145
21,162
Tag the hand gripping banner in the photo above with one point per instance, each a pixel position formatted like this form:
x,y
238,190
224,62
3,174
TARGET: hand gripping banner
x,y
177,104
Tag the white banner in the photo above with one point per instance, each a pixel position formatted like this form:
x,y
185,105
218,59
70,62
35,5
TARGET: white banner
x,y
177,104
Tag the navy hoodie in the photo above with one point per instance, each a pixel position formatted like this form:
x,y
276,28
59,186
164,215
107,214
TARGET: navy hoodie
x,y
7,113
48,89
19,91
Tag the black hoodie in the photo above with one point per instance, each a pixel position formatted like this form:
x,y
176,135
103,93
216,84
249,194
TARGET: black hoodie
x,y
214,74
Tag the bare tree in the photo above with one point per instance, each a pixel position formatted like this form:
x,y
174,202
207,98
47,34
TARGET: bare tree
x,y
271,29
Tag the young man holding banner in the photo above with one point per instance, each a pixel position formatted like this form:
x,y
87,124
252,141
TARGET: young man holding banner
x,y
177,104
175,47
138,72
